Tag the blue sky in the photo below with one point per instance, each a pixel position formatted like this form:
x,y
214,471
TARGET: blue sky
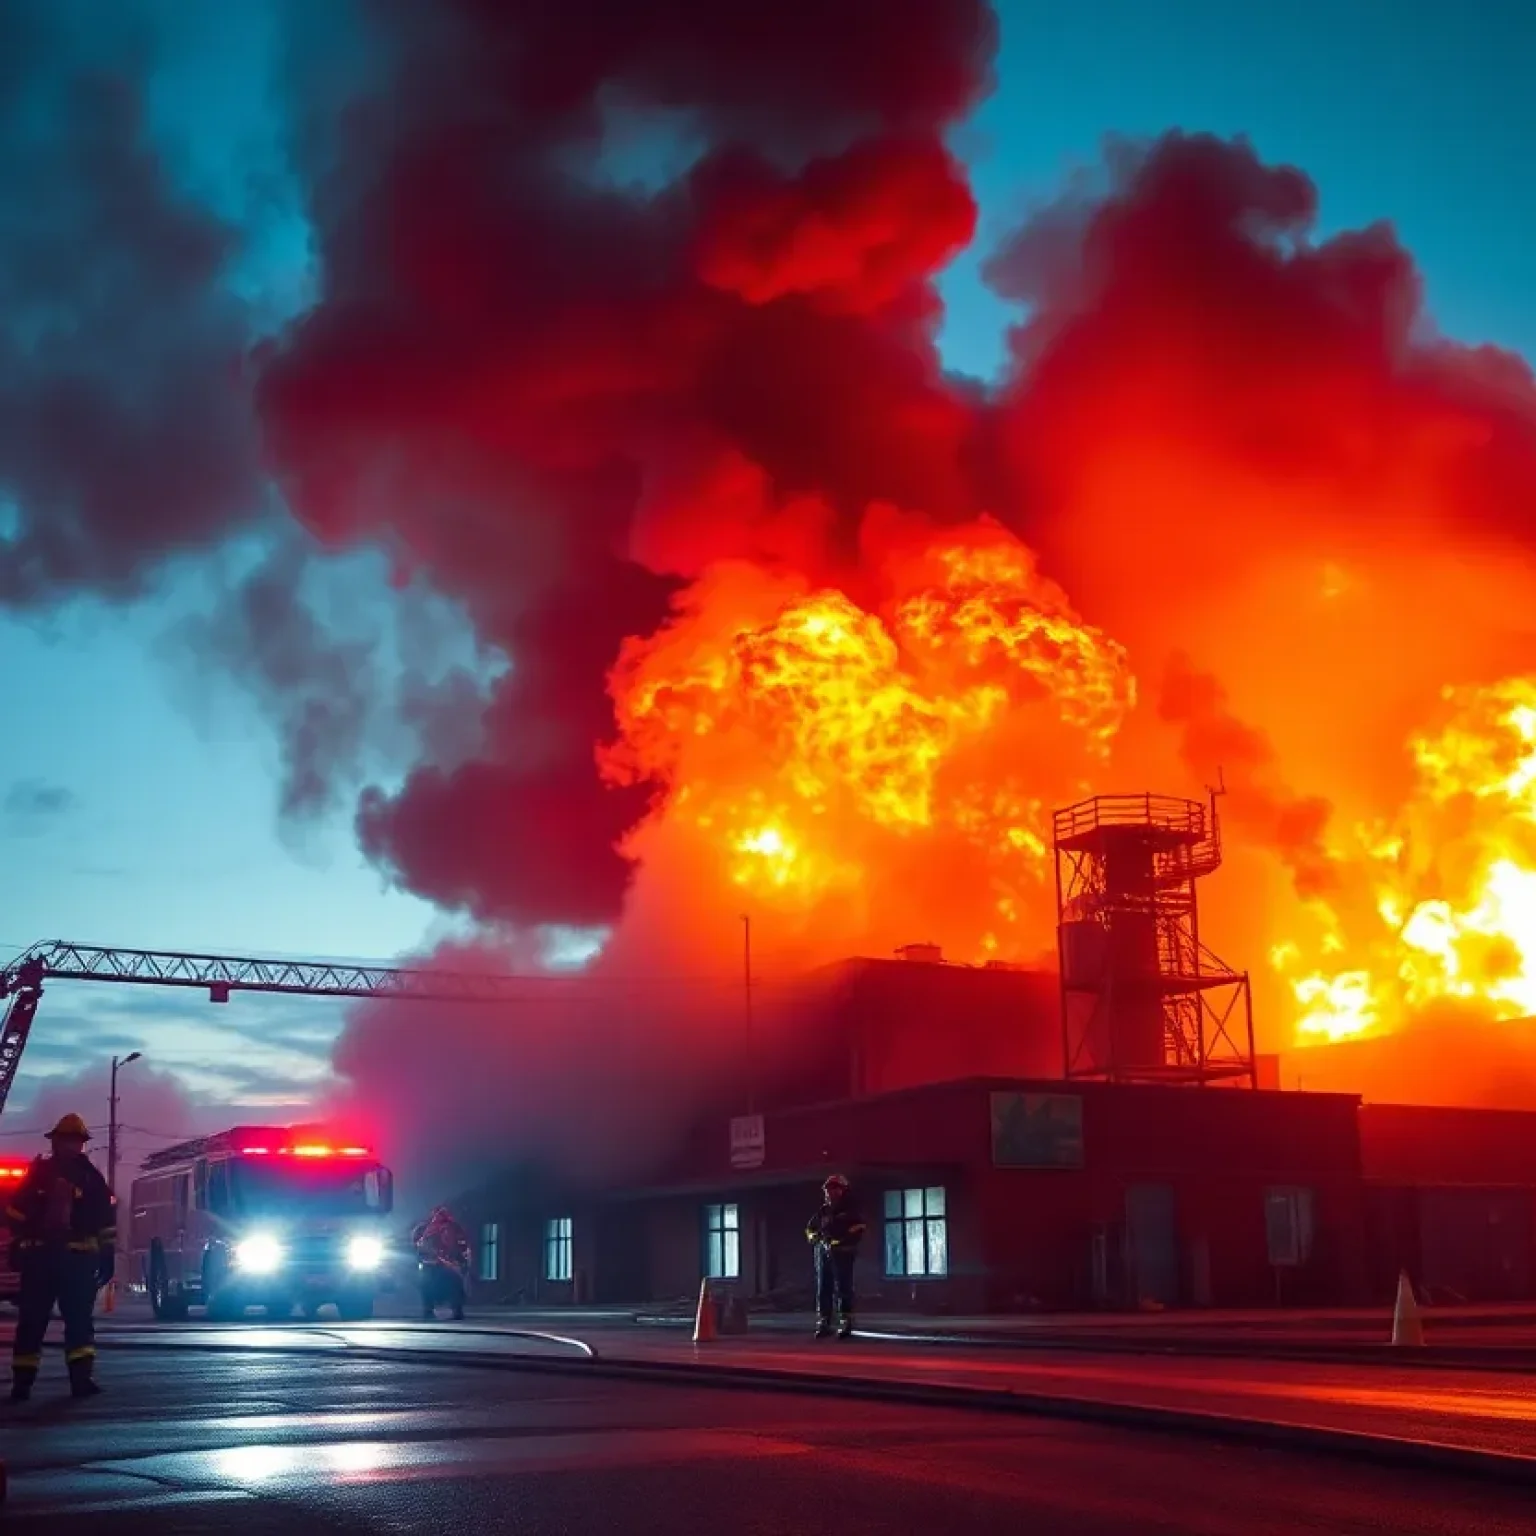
x,y
138,793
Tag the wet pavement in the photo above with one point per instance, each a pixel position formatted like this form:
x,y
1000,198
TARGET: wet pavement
x,y
1481,1410
264,1441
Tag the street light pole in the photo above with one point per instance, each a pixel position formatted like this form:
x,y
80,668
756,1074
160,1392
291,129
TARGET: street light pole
x,y
746,977
127,1060
112,1120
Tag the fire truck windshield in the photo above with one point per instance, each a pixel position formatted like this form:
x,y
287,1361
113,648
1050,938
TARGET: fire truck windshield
x,y
270,1188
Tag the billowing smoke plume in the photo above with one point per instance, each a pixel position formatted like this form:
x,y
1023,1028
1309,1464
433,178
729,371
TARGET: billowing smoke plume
x,y
125,432
520,374
624,343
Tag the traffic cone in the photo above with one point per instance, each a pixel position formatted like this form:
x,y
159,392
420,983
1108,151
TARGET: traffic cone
x,y
1407,1325
704,1329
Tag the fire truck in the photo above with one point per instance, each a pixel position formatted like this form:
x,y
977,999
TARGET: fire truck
x,y
12,1172
260,1216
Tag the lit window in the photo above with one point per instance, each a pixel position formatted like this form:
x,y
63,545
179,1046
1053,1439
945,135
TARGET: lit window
x,y
490,1251
557,1248
722,1242
916,1233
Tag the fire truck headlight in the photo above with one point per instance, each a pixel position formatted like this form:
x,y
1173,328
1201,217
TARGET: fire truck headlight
x,y
258,1254
365,1253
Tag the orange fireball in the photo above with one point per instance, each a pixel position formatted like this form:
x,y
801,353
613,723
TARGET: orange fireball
x,y
814,741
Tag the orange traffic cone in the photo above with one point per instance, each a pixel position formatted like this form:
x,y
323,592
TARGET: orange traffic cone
x,y
1407,1325
704,1329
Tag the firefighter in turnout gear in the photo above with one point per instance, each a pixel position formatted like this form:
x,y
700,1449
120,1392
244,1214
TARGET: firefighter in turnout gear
x,y
835,1232
64,1236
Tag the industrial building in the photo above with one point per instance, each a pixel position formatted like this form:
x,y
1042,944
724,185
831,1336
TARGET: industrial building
x,y
1098,1136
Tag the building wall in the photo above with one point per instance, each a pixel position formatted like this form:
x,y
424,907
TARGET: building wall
x,y
1174,1201
1171,1202
1419,1144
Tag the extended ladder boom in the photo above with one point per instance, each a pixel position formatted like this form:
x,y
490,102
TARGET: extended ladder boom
x,y
21,983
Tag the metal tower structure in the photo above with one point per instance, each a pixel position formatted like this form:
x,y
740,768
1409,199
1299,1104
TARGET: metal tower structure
x,y
21,983
1142,999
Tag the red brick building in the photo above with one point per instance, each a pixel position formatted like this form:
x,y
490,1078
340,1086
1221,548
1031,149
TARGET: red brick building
x,y
990,1184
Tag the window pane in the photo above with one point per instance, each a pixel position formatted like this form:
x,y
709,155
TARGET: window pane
x,y
895,1254
732,1266
892,1204
938,1248
711,1217
917,1259
913,1200
565,1228
732,1218
935,1201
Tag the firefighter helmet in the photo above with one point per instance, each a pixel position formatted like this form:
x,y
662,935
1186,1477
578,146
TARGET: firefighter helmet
x,y
836,1184
71,1125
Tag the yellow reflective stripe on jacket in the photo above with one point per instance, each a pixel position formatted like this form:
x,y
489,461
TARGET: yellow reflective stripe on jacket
x,y
15,1213
107,1235
26,1362
85,1352
84,1245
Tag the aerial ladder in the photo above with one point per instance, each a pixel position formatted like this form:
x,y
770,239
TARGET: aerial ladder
x,y
23,979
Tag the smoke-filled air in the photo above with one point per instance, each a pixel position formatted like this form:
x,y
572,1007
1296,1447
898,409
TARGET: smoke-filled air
x,y
625,341
631,349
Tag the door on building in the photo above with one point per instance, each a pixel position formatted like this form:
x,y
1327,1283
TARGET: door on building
x,y
1152,1243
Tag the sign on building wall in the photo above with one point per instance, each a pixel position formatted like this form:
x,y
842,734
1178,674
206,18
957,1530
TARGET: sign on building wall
x,y
1037,1130
748,1144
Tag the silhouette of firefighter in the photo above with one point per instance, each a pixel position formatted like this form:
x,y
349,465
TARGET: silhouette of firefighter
x,y
64,1236
835,1232
442,1263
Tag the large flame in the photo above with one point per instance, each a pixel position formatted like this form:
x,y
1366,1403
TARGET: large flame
x,y
811,739
825,749
1439,902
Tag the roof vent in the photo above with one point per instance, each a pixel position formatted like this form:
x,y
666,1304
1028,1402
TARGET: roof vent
x,y
922,954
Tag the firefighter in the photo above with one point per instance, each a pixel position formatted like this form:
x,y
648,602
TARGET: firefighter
x,y
64,1234
442,1257
835,1232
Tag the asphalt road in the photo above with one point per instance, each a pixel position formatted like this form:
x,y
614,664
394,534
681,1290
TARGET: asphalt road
x,y
1479,1410
244,1445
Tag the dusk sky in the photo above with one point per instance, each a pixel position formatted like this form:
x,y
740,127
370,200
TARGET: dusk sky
x,y
140,783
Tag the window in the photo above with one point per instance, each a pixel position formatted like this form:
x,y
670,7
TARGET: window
x,y
722,1241
557,1248
490,1250
916,1234
1288,1225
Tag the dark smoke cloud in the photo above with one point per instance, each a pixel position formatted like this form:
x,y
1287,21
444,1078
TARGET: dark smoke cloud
x,y
124,426
1187,307
512,361
322,689
569,1074
355,678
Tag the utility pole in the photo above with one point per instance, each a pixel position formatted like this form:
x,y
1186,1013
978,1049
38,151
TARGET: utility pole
x,y
128,1060
746,976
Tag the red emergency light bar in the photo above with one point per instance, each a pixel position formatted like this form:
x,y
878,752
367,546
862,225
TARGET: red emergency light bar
x,y
306,1150
13,1170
